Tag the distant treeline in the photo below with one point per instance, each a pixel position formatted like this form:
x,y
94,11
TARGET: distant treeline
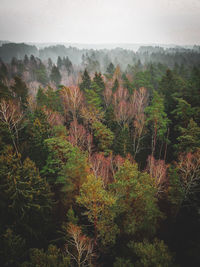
x,y
119,56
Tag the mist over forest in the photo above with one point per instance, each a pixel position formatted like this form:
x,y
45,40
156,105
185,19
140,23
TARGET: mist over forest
x,y
99,155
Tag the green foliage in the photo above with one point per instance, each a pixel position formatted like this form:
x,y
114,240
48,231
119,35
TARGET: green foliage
x,y
71,218
103,136
157,119
20,91
25,193
121,262
3,71
49,98
183,111
53,257
99,81
37,129
175,192
55,75
110,70
41,74
92,97
115,86
142,79
155,254
170,86
5,92
189,140
66,165
136,202
127,84
99,205
122,144
86,81
11,249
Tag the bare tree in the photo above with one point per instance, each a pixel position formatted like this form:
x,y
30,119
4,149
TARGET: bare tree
x,y
188,166
79,246
139,101
53,117
72,98
101,166
11,116
158,171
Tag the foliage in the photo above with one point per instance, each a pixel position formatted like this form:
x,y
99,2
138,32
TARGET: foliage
x,y
99,209
103,136
53,257
152,254
136,202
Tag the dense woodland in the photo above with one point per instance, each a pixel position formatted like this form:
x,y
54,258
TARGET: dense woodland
x,y
99,156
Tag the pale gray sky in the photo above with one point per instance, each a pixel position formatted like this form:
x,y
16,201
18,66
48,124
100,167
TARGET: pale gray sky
x,y
101,21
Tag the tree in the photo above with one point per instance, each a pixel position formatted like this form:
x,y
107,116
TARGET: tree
x,y
99,81
188,168
77,135
110,69
86,81
59,62
11,117
82,245
157,120
99,208
55,75
189,140
3,71
103,136
139,101
53,257
72,98
37,129
101,166
152,254
41,74
136,202
12,248
123,109
26,197
115,86
20,91
158,171
66,169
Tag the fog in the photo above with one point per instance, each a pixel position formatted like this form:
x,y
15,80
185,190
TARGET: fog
x,y
101,21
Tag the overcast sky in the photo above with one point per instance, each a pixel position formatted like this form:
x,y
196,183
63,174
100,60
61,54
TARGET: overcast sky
x,y
101,21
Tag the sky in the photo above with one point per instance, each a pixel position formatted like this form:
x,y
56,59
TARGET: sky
x,y
101,21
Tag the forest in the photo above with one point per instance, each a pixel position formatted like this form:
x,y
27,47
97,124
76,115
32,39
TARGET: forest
x,y
99,156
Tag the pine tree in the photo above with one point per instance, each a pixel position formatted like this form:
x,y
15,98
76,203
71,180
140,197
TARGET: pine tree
x,y
55,75
86,81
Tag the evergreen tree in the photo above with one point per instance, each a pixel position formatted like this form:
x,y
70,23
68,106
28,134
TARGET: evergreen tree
x,y
55,75
86,81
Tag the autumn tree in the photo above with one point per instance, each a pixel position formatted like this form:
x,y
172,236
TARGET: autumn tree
x,y
78,246
188,168
139,101
11,118
73,100
99,208
158,171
